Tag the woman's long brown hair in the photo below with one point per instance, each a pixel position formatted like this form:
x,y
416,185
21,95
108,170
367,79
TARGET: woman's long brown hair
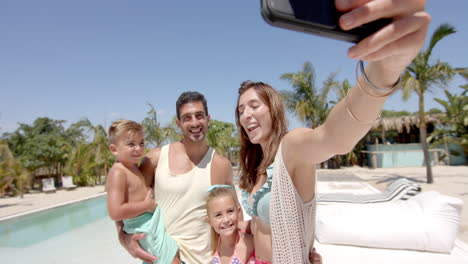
x,y
253,162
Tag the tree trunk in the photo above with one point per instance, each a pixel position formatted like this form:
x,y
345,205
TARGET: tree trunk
x,y
446,150
422,138
59,173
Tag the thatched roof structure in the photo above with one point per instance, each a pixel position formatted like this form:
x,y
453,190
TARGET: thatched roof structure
x,y
399,123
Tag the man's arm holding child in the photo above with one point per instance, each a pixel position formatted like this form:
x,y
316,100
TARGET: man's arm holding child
x,y
130,243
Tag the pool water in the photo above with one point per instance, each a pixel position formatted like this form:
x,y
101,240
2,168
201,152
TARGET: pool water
x,y
30,229
78,232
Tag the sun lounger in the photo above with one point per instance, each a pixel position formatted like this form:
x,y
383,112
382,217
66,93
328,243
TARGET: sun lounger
x,y
48,185
400,189
426,222
67,183
332,253
363,255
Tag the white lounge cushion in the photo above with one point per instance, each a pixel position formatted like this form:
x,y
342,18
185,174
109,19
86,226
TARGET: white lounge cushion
x,y
428,222
67,183
48,185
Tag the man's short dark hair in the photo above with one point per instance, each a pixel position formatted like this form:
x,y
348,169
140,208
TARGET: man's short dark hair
x,y
190,97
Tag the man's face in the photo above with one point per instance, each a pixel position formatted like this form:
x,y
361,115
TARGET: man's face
x,y
193,121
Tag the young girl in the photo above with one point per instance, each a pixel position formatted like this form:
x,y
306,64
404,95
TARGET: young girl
x,y
229,243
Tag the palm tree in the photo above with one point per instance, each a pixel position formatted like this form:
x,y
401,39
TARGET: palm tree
x,y
172,132
100,150
342,90
102,154
78,163
92,157
456,120
13,176
154,134
310,106
220,136
420,76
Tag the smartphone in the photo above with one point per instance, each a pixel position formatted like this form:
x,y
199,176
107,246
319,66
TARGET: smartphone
x,y
317,17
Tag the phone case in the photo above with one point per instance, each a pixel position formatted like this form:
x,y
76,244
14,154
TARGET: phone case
x,y
280,19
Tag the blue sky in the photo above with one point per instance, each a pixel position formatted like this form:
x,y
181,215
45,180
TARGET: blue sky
x,y
106,60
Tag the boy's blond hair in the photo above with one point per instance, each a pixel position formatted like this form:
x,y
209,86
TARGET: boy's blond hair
x,y
121,127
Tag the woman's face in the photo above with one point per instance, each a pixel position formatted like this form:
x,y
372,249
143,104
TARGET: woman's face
x,y
254,117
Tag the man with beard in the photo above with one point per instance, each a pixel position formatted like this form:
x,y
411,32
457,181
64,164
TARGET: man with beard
x,y
181,173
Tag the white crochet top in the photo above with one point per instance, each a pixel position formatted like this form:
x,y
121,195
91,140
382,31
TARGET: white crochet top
x,y
292,220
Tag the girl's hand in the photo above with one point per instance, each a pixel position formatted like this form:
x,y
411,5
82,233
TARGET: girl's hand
x,y
395,45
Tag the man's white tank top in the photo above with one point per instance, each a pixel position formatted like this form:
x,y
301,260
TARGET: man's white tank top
x,y
182,199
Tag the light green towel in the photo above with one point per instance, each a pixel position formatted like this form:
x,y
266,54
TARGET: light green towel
x,y
156,242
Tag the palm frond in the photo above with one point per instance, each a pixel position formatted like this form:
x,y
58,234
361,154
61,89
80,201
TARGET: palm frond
x,y
410,84
441,32
329,84
463,72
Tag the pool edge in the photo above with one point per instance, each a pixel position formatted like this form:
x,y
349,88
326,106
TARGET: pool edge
x,y
13,216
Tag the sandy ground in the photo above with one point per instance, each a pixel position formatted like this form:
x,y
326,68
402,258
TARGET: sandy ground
x,y
448,180
37,200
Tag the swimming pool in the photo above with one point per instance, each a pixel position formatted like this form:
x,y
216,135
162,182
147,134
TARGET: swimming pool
x,y
76,232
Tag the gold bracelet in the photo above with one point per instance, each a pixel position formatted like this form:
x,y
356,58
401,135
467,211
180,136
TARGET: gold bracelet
x,y
354,117
394,88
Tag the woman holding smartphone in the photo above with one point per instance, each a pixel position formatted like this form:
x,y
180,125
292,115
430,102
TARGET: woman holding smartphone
x,y
278,167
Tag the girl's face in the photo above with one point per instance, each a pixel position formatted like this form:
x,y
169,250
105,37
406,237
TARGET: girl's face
x,y
223,215
254,117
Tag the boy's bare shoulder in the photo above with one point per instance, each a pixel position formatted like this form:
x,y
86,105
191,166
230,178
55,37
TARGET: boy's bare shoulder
x,y
116,168
117,176
119,170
